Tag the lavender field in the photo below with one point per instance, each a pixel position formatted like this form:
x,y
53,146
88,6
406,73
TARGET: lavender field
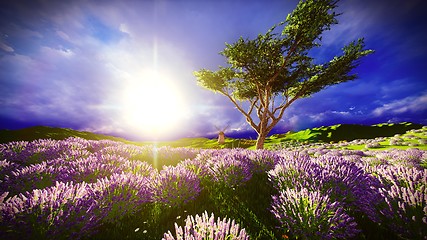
x,y
87,189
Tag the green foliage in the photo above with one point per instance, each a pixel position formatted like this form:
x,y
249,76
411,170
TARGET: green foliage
x,y
309,20
215,81
336,70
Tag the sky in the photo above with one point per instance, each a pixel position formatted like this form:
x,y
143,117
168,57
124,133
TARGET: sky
x,y
125,68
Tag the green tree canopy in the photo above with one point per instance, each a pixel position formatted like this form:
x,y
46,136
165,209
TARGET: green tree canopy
x,y
273,70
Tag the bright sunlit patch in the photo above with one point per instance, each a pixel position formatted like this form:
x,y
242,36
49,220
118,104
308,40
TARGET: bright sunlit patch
x,y
153,105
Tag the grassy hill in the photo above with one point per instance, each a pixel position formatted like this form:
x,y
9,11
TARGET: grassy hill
x,y
43,132
336,133
346,132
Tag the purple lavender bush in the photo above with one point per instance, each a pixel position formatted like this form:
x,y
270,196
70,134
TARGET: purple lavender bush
x,y
262,160
390,175
229,170
205,227
46,173
14,151
405,192
409,211
195,165
297,171
121,195
139,168
175,186
407,158
163,156
312,215
351,185
6,167
88,169
63,211
34,176
341,180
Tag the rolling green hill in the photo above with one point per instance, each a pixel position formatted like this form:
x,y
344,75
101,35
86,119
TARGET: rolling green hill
x,y
346,132
43,132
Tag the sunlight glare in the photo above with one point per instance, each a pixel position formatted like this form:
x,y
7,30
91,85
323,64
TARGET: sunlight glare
x,y
154,105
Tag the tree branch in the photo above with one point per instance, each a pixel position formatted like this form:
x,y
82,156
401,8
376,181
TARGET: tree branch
x,y
248,117
285,61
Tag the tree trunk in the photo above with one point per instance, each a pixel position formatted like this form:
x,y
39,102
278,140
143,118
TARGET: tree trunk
x,y
260,140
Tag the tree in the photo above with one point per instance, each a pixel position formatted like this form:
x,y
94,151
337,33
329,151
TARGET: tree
x,y
271,72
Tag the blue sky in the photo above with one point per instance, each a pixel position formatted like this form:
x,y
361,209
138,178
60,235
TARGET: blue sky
x,y
95,65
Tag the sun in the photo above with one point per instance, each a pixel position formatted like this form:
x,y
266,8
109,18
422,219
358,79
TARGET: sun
x,y
153,105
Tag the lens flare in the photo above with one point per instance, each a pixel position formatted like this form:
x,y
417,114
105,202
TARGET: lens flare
x,y
153,105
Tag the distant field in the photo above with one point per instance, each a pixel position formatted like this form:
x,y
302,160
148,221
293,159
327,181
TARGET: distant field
x,y
414,138
340,133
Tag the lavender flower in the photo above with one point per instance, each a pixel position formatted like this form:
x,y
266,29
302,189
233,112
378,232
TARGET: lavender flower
x,y
408,158
6,168
312,215
408,211
229,171
352,158
348,183
405,192
25,153
373,145
27,178
97,146
164,156
205,227
175,186
94,167
17,152
138,167
342,180
366,162
390,175
297,171
196,166
262,160
62,211
121,195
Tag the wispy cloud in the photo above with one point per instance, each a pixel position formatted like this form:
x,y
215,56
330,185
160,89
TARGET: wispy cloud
x,y
409,104
5,47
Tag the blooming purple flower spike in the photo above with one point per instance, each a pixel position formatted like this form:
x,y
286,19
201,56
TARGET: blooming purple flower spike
x,y
312,215
205,227
175,186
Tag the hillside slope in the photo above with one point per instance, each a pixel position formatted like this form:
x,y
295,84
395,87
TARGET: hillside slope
x,y
347,132
43,132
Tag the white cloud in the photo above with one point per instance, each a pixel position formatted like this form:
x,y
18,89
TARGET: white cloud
x,y
6,47
18,31
408,104
320,117
294,120
343,113
63,35
124,28
55,55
